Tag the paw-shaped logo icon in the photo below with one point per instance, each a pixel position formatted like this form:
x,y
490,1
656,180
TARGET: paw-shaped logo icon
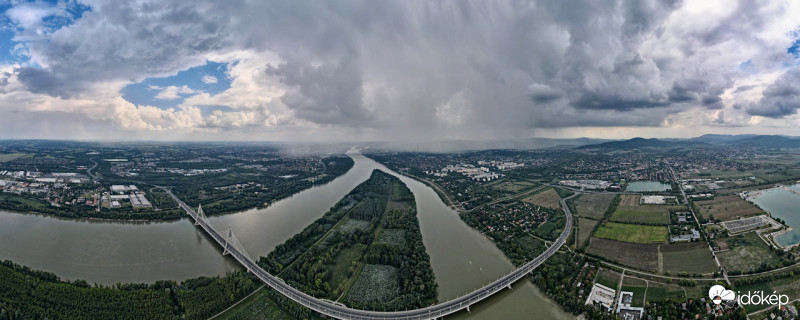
x,y
718,293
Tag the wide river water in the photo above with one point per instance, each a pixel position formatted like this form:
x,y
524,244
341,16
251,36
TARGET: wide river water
x,y
112,252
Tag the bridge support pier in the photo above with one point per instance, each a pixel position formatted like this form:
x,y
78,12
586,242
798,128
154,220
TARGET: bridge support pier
x,y
468,309
509,287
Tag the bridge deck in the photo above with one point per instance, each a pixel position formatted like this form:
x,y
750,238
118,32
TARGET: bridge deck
x,y
343,312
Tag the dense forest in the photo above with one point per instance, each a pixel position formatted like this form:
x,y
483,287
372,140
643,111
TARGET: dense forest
x,y
31,294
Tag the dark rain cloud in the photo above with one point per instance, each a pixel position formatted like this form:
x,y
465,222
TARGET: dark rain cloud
x,y
428,65
780,99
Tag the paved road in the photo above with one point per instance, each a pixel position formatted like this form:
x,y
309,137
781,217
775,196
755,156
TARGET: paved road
x,y
92,168
342,312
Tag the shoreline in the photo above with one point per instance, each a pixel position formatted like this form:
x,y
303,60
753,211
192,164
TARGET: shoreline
x,y
750,196
131,221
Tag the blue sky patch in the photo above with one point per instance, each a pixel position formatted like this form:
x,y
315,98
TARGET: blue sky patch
x,y
209,78
794,50
62,15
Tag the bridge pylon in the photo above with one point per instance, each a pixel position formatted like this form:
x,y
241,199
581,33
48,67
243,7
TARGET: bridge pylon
x,y
200,215
231,241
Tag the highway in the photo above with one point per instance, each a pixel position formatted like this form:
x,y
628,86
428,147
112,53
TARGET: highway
x,y
342,312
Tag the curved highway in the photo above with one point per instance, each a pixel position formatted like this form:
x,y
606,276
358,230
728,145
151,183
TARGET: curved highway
x,y
342,312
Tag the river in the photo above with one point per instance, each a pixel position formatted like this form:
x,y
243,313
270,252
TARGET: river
x,y
112,252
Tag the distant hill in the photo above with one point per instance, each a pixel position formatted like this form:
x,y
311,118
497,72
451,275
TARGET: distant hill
x,y
722,138
766,141
476,145
634,143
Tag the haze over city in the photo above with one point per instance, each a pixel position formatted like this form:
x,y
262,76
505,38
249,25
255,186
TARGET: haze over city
x,y
397,70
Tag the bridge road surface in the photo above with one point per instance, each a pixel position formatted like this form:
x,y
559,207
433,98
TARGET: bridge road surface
x,y
340,311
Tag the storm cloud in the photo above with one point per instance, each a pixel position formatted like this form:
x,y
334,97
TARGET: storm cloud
x,y
412,69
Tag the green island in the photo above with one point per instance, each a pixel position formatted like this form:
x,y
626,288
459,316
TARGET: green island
x,y
366,252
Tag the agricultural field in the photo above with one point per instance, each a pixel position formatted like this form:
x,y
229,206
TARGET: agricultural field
x,y
691,257
5,157
638,287
636,255
727,208
632,233
629,200
788,286
344,267
548,198
608,278
648,214
377,283
513,186
257,306
593,205
395,237
351,225
585,228
747,253
660,292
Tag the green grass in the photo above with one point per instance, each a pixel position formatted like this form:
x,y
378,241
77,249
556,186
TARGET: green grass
x,y
375,283
748,253
637,215
694,257
256,306
660,292
593,205
632,233
340,272
395,237
608,278
763,287
5,157
21,199
638,294
585,228
351,225
512,186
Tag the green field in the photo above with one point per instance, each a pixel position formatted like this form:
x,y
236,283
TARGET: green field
x,y
692,257
395,237
344,267
5,157
632,233
593,205
788,286
376,283
645,214
638,255
608,278
256,306
660,292
585,228
638,287
512,186
748,253
727,208
640,216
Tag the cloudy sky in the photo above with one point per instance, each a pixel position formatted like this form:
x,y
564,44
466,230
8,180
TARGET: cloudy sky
x,y
397,70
